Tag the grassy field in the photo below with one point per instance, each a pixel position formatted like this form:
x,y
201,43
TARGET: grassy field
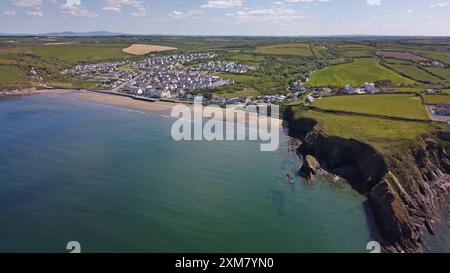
x,y
12,76
339,61
358,54
74,53
293,49
436,55
433,99
7,62
441,72
236,77
247,92
247,58
408,89
414,72
384,135
356,73
403,106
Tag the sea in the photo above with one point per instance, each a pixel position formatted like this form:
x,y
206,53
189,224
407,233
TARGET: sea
x,y
114,180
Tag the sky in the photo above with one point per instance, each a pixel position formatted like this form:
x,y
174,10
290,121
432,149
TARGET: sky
x,y
229,17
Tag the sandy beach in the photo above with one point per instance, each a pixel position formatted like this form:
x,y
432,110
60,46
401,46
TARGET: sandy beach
x,y
122,101
148,106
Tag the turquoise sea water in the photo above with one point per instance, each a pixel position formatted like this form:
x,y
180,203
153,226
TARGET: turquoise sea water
x,y
114,180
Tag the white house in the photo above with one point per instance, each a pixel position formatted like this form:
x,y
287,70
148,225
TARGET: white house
x,y
309,99
370,88
349,89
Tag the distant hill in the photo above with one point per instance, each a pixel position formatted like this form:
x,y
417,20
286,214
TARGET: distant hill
x,y
67,34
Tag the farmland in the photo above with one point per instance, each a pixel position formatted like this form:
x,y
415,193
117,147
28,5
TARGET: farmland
x,y
292,49
444,73
386,136
413,72
236,77
73,53
356,73
436,55
433,99
402,106
143,49
402,56
12,76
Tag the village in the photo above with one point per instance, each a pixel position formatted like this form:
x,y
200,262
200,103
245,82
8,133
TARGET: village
x,y
183,77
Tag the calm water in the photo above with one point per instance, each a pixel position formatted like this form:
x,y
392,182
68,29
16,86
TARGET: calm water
x,y
114,180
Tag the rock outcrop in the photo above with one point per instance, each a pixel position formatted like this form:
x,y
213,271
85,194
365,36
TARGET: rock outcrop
x,y
405,191
310,168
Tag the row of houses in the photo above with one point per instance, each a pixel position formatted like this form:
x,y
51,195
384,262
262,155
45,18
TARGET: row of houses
x,y
225,66
367,88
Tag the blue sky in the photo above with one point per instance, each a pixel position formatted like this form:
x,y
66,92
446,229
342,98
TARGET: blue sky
x,y
229,17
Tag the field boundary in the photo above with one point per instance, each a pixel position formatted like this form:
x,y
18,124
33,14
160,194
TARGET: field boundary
x,y
349,113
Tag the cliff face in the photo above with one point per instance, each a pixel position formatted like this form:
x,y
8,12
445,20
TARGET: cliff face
x,y
405,191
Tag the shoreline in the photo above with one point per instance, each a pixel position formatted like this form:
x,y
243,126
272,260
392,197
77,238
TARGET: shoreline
x,y
5,94
124,100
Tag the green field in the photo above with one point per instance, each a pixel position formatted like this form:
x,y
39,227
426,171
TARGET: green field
x,y
408,89
293,49
356,73
73,53
236,77
433,99
441,72
403,106
247,58
358,54
356,47
12,76
412,71
248,92
7,62
384,135
436,55
339,61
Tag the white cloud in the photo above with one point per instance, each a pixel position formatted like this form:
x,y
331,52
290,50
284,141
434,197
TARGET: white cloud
x,y
9,13
26,3
192,14
74,8
305,1
374,2
223,4
276,15
439,4
35,13
117,5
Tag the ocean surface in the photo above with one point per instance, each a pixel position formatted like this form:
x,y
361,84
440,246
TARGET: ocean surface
x,y
113,179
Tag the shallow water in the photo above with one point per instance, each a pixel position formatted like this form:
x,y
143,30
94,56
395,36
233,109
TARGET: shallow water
x,y
114,180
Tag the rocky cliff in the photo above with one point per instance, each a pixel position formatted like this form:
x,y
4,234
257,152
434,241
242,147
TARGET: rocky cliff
x,y
406,190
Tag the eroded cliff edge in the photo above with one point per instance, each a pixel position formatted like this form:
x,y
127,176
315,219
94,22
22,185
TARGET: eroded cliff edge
x,y
406,190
